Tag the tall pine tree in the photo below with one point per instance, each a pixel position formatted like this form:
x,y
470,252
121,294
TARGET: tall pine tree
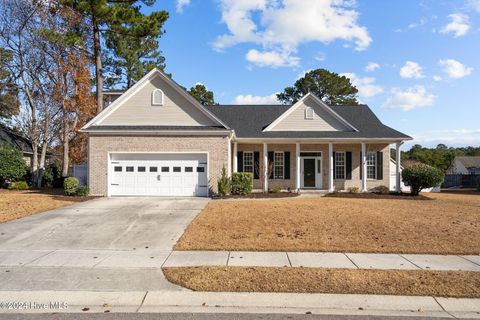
x,y
109,20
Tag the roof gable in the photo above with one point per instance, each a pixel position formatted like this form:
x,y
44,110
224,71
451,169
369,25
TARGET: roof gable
x,y
136,108
323,117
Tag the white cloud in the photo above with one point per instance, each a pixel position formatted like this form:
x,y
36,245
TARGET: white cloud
x,y
321,56
450,136
181,4
437,78
372,66
411,70
366,86
251,99
474,5
409,99
455,69
459,25
282,25
271,59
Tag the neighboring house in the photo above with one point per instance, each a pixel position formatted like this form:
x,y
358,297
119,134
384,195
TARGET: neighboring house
x,y
465,165
8,137
155,139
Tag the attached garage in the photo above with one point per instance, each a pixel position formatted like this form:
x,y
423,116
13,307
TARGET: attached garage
x,y
158,174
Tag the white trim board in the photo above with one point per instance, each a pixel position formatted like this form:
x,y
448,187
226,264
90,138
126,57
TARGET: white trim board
x,y
319,102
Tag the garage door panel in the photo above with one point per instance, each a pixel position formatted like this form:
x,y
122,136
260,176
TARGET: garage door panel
x,y
158,174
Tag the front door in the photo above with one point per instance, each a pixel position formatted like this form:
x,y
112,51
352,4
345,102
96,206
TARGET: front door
x,y
309,173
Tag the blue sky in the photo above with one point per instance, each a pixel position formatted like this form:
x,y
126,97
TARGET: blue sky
x,y
423,74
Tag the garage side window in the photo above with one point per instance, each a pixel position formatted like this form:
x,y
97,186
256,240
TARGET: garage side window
x,y
248,161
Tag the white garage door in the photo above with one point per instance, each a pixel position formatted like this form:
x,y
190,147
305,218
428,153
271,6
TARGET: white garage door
x,y
158,175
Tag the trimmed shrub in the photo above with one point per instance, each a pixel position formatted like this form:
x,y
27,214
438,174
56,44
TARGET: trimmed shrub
x,y
242,183
478,183
52,177
12,165
70,186
353,190
223,183
276,190
421,176
383,189
19,185
82,191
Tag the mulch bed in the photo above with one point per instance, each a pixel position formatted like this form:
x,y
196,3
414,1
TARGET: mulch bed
x,y
458,284
372,195
259,195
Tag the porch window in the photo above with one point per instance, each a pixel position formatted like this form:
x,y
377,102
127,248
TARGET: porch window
x,y
278,165
248,161
339,165
371,165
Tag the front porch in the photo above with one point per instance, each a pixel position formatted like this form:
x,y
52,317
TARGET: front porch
x,y
297,166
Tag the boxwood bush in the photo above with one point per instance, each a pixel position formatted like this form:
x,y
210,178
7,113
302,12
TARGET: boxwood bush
x,y
70,186
242,183
478,183
19,185
12,165
82,191
421,176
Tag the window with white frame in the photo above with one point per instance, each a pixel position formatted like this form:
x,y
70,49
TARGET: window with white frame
x,y
248,161
278,165
371,165
157,97
308,113
339,165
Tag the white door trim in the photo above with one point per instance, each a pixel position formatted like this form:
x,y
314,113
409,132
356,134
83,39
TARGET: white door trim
x,y
109,165
318,173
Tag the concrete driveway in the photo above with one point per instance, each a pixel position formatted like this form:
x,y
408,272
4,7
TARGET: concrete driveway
x,y
102,244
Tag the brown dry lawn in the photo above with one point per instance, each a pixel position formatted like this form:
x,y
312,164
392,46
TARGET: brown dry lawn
x,y
448,224
18,204
314,280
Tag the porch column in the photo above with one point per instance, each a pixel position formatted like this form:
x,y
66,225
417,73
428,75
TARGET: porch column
x,y
363,163
297,153
235,159
330,170
265,167
398,186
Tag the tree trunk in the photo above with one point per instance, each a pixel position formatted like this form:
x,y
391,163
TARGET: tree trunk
x,y
41,167
97,53
66,147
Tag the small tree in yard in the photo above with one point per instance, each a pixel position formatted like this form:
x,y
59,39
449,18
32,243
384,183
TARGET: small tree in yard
x,y
421,176
223,184
12,165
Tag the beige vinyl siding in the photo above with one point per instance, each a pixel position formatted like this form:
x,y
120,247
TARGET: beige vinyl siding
x,y
176,109
322,119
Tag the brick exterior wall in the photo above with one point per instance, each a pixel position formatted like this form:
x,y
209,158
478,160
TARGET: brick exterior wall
x,y
100,146
340,184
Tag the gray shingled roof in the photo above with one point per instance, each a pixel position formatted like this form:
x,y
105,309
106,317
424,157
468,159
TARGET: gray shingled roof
x,y
13,139
469,161
248,121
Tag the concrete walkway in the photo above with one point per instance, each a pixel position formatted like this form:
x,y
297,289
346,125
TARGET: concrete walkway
x,y
147,258
323,260
227,302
